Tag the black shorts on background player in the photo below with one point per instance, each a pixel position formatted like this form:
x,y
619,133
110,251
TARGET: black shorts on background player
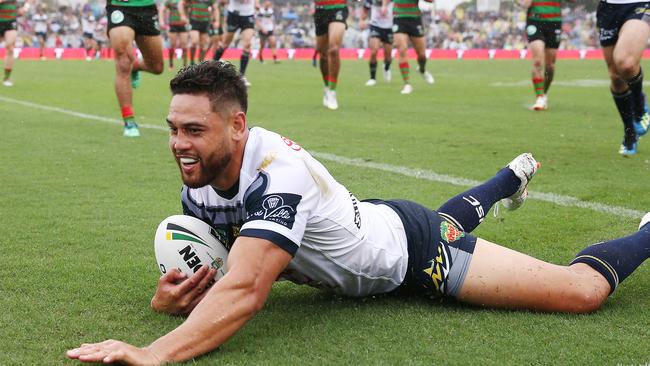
x,y
548,32
201,27
143,20
385,35
323,17
6,26
265,35
610,19
235,21
411,26
177,29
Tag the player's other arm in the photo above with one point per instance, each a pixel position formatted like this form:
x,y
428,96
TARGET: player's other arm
x,y
162,15
525,3
216,14
253,266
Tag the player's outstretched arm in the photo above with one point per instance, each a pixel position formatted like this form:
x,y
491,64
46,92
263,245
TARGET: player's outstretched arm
x,y
253,266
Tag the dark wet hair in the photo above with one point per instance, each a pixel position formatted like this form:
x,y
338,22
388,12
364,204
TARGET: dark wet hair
x,y
219,80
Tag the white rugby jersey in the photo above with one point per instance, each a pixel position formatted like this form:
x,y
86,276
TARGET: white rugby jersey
x,y
241,7
40,22
88,24
286,196
266,19
376,19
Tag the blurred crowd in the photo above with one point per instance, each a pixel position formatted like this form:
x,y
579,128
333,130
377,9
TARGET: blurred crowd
x,y
461,28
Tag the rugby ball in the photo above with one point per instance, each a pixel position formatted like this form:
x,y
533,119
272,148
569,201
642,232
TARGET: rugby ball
x,y
187,243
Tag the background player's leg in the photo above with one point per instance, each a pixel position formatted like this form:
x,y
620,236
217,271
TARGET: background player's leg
x,y
321,49
632,40
624,104
388,59
194,42
121,42
536,50
419,43
550,55
183,38
10,41
373,44
401,42
173,44
151,48
246,40
504,278
227,38
335,32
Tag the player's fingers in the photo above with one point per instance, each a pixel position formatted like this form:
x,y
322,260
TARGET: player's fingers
x,y
189,284
96,356
173,276
207,281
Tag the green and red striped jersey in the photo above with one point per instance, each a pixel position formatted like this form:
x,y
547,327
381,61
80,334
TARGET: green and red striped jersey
x,y
174,14
331,4
200,10
545,11
139,3
406,9
8,11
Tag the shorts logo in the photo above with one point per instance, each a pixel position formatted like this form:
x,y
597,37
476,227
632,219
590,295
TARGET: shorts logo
x,y
439,269
117,17
449,232
339,15
395,27
531,29
420,30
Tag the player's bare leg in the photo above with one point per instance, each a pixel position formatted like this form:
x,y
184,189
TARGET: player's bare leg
x,y
536,50
402,43
335,33
388,59
373,44
204,43
550,56
10,42
503,278
226,41
194,43
321,47
183,39
246,40
121,42
173,45
419,44
272,44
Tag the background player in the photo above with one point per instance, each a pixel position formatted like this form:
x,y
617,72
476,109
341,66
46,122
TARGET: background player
x,y
135,20
88,26
544,32
624,32
40,20
217,34
330,19
202,13
241,17
9,11
380,34
266,26
177,31
407,25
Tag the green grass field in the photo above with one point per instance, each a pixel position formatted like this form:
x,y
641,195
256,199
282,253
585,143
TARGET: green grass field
x,y
80,204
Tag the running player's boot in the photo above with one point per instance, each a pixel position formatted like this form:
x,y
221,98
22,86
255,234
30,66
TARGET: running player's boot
x,y
627,149
541,103
326,97
387,76
7,83
371,82
524,166
641,126
135,79
332,104
246,82
428,77
407,89
131,130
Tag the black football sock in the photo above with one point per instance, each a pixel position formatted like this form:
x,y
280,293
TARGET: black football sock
x,y
373,70
218,53
625,105
636,87
243,61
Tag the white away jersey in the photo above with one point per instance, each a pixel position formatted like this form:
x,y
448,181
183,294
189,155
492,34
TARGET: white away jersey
x,y
286,196
376,19
241,7
266,19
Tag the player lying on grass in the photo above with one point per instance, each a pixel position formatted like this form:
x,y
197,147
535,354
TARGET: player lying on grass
x,y
296,222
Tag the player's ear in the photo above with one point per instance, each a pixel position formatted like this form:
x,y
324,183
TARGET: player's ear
x,y
239,125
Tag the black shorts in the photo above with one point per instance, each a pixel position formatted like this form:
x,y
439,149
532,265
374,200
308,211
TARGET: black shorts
x,y
178,28
89,35
611,17
142,19
43,35
201,27
266,35
385,35
6,26
439,253
323,18
411,26
215,32
236,22
548,32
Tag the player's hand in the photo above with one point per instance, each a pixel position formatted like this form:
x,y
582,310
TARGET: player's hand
x,y
112,351
216,25
383,11
184,19
176,294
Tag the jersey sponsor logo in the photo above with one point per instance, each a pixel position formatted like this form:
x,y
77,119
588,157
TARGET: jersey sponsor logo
x,y
439,269
117,17
449,232
477,207
606,34
291,144
531,29
280,208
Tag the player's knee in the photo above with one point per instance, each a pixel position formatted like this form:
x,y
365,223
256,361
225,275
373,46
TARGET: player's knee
x,y
123,63
157,68
585,299
333,51
627,67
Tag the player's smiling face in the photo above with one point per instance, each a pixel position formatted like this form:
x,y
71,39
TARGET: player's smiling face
x,y
200,140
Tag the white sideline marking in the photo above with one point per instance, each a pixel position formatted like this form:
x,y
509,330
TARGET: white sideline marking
x,y
561,200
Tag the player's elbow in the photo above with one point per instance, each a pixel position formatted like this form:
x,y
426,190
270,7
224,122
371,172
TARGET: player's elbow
x,y
584,300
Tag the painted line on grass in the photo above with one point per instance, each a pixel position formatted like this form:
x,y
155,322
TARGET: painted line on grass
x,y
558,199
